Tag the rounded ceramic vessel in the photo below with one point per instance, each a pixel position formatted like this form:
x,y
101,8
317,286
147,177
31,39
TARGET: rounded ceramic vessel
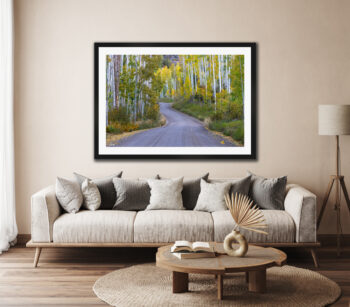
x,y
235,237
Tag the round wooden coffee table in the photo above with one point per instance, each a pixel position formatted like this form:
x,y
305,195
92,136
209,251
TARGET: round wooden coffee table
x,y
255,263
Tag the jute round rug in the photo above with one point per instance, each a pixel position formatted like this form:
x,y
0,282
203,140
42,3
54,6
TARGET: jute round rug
x,y
147,285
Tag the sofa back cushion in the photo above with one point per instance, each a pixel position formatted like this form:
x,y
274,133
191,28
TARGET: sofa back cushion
x,y
238,185
211,197
166,194
268,193
190,190
92,196
131,194
69,195
105,186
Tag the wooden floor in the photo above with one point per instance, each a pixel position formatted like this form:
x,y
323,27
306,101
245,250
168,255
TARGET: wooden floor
x,y
65,275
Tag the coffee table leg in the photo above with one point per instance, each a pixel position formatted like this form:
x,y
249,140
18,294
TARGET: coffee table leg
x,y
257,281
247,277
180,282
220,286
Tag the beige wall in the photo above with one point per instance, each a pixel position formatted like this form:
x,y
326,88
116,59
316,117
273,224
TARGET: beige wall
x,y
303,61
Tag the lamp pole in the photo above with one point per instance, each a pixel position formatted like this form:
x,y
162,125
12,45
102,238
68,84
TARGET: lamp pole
x,y
337,196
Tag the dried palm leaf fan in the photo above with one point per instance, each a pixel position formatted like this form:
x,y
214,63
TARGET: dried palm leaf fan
x,y
247,216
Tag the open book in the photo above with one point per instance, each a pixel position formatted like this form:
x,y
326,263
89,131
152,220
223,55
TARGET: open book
x,y
188,247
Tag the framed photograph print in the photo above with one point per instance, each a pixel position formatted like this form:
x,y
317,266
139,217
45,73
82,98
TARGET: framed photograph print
x,y
175,100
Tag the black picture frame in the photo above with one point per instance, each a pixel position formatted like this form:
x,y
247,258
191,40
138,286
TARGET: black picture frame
x,y
253,137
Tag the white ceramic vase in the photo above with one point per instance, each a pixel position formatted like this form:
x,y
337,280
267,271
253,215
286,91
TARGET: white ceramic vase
x,y
235,237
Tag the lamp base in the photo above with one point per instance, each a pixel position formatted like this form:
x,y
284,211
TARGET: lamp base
x,y
340,184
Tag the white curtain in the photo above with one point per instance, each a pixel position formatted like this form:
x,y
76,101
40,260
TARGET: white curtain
x,y
8,226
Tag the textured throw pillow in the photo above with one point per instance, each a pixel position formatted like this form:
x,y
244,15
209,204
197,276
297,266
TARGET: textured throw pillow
x,y
131,194
106,187
69,195
268,193
240,185
165,194
91,194
190,191
211,198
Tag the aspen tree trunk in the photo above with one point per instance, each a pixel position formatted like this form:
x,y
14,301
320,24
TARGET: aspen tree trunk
x,y
139,87
214,85
128,81
183,69
174,80
112,85
121,100
206,79
227,81
107,89
193,80
142,64
219,64
242,85
229,73
135,92
116,62
201,72
195,77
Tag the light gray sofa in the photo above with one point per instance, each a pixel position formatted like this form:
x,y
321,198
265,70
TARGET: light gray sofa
x,y
51,227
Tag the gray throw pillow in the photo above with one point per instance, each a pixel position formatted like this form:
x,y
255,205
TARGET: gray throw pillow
x,y
131,194
240,185
268,193
212,196
91,194
190,191
68,195
105,186
165,194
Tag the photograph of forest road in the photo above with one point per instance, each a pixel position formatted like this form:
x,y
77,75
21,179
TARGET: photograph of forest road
x,y
174,100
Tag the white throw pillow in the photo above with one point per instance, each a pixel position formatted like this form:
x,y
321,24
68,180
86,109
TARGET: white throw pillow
x,y
69,195
211,198
165,194
92,196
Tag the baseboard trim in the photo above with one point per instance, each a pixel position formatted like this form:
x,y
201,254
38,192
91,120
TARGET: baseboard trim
x,y
331,240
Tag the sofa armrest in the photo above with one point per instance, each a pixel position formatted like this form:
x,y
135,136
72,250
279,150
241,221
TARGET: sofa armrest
x,y
301,205
45,210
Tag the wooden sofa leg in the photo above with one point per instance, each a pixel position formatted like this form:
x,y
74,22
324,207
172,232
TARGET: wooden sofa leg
x,y
37,256
314,257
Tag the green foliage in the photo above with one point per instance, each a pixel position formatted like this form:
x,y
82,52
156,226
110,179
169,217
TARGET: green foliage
x,y
237,80
118,128
234,129
118,115
149,124
121,127
198,110
187,89
165,99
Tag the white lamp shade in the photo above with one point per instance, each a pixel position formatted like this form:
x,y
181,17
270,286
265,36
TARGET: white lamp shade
x,y
333,119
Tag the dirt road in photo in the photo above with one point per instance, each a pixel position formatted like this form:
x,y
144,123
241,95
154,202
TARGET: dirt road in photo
x,y
181,130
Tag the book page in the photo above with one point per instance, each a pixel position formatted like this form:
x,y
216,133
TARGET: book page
x,y
181,246
201,246
183,243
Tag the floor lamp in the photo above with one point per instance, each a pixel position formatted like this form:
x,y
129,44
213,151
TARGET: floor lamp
x,y
334,120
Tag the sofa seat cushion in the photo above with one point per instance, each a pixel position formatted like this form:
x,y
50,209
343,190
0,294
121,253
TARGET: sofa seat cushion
x,y
160,226
281,227
101,226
